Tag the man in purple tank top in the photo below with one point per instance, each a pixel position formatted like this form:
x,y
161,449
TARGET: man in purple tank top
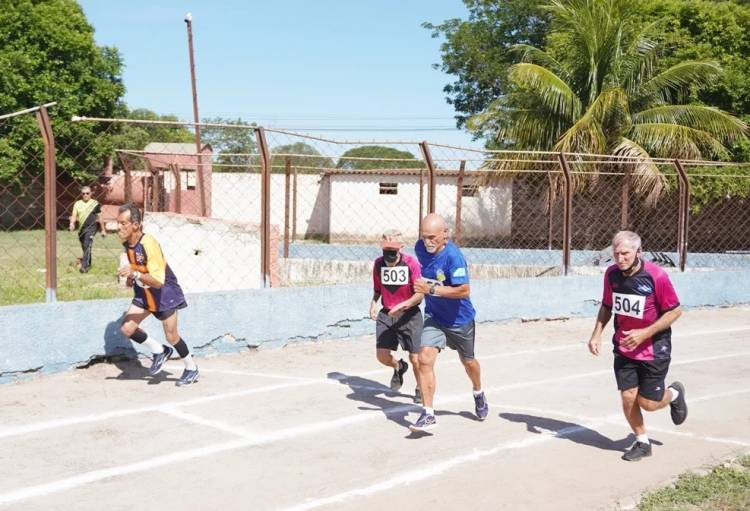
x,y
644,303
399,321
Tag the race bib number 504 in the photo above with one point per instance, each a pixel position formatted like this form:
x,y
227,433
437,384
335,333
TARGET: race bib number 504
x,y
394,276
628,305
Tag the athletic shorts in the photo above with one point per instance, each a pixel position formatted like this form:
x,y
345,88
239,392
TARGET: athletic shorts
x,y
459,338
404,330
160,315
648,375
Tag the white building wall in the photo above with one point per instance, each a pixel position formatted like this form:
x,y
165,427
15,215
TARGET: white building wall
x,y
236,196
485,216
360,212
350,207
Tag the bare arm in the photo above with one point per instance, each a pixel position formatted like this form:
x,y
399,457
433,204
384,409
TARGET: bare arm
x,y
454,292
410,302
374,305
602,318
636,336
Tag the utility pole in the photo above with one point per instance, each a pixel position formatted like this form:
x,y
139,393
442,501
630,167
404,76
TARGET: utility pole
x,y
196,116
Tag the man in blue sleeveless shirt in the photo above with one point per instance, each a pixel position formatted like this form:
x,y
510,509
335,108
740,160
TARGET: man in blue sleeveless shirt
x,y
449,315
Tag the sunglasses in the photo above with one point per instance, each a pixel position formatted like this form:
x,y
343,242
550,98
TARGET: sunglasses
x,y
85,193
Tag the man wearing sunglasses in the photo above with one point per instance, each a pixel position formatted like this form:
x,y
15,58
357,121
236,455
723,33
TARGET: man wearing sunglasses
x,y
87,213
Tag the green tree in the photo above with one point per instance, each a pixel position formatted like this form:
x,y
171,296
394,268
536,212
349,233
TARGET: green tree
x,y
477,50
234,148
48,53
595,89
375,157
305,157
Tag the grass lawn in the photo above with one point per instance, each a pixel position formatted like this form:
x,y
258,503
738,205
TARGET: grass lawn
x,y
22,263
725,488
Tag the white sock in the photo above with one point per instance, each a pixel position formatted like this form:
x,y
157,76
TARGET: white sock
x,y
642,438
429,411
675,393
153,346
189,364
477,392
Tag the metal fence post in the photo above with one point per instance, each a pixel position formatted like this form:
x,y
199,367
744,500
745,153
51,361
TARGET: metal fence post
x,y
265,206
430,176
287,172
567,206
294,204
684,214
50,205
459,195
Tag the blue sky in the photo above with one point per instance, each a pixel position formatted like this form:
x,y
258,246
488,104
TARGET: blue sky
x,y
292,64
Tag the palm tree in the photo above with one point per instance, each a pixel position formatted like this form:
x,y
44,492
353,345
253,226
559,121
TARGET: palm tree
x,y
597,90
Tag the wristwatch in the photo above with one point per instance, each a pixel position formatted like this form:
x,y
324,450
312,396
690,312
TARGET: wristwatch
x,y
136,275
432,288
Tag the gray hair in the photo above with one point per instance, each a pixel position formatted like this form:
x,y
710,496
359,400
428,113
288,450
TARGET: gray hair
x,y
135,213
629,238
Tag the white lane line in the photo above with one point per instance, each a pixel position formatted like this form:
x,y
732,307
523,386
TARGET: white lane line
x,y
435,469
294,432
175,367
564,347
195,419
83,419
57,423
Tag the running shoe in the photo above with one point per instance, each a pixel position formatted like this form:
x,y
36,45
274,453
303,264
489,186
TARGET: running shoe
x,y
425,422
188,376
398,375
159,360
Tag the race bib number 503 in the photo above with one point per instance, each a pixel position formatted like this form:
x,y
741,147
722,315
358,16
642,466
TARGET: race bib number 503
x,y
628,305
394,276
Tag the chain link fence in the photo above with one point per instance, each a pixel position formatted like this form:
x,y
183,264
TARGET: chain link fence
x,y
22,242
258,207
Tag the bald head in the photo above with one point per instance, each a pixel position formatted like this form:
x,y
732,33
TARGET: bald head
x,y
434,232
433,221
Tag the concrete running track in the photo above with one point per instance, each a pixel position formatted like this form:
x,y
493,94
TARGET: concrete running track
x,y
314,426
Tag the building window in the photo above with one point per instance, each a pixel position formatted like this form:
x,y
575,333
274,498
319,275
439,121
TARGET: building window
x,y
469,191
188,178
388,188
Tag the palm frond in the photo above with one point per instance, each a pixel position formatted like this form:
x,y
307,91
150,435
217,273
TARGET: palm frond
x,y
587,134
553,92
646,177
676,141
670,82
527,53
719,124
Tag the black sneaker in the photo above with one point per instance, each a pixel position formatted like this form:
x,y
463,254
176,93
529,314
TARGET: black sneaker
x,y
159,360
678,407
418,396
398,375
638,451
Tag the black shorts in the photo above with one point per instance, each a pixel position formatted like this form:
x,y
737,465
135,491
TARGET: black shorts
x,y
405,330
161,315
648,375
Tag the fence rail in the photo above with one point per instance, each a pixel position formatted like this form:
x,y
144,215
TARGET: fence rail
x,y
261,207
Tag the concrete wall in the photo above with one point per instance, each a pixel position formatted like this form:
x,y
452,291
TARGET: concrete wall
x,y
208,254
69,334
